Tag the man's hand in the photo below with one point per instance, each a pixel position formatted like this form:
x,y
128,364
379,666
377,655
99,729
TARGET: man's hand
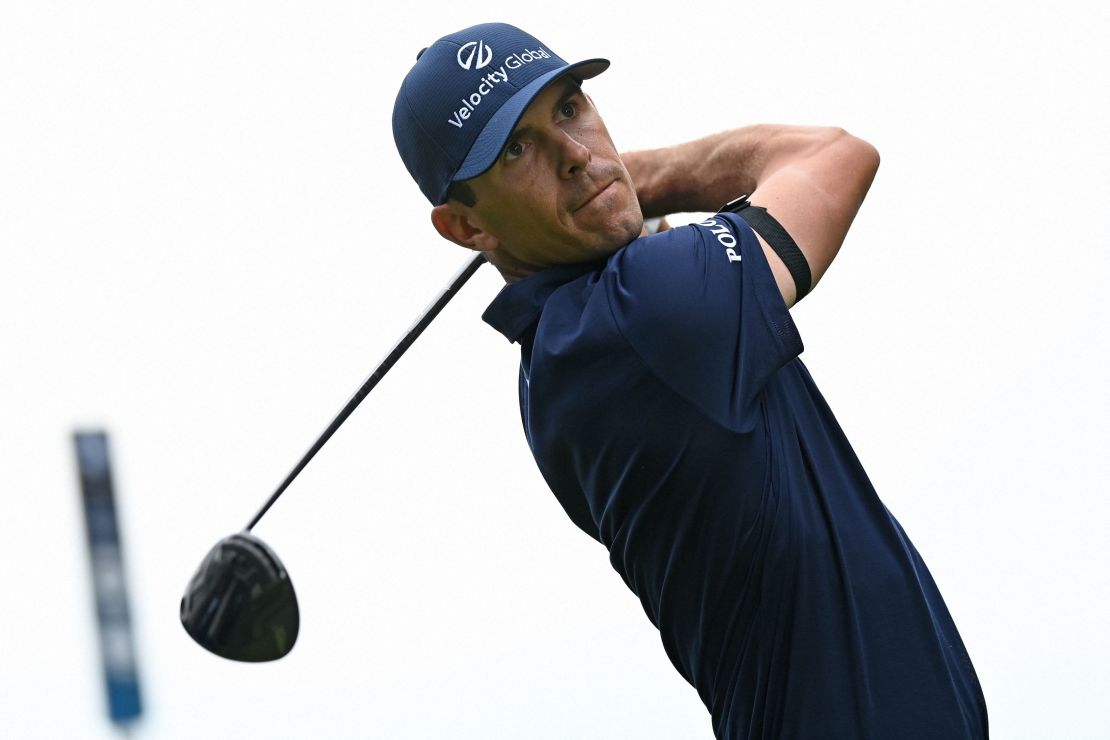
x,y
812,180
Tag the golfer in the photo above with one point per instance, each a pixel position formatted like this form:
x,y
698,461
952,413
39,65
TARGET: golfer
x,y
663,398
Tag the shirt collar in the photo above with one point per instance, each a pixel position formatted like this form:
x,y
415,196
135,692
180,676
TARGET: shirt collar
x,y
520,304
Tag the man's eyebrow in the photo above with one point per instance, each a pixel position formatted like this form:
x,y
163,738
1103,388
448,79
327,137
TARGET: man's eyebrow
x,y
570,89
516,134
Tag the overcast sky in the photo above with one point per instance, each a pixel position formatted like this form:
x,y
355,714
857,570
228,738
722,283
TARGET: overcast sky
x,y
207,240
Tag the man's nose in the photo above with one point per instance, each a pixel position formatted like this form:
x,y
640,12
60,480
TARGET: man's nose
x,y
573,155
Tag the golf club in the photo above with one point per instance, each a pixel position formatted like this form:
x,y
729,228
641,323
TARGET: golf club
x,y
240,604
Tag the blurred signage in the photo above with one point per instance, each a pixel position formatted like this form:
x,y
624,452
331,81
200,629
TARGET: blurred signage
x,y
112,614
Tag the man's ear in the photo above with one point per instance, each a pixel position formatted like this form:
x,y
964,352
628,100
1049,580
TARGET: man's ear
x,y
455,224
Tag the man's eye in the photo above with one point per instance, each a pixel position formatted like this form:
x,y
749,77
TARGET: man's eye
x,y
514,150
568,110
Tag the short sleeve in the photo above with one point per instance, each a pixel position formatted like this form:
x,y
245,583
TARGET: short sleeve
x,y
700,306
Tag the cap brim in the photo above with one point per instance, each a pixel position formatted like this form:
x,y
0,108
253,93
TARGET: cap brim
x,y
489,143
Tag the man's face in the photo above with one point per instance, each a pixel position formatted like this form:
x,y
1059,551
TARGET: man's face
x,y
558,192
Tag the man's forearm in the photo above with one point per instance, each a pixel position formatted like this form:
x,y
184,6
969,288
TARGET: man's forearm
x,y
703,175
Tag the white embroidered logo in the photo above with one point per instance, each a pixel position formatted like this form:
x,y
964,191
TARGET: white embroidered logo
x,y
479,55
724,237
476,53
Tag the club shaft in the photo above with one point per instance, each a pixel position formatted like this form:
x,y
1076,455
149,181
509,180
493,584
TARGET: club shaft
x,y
379,372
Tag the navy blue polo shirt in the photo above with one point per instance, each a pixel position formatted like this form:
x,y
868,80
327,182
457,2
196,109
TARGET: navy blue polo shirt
x,y
664,401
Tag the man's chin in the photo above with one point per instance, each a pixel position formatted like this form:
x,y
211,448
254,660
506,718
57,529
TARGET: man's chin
x,y
616,237
631,226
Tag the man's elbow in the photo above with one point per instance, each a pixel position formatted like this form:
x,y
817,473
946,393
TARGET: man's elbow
x,y
858,159
847,169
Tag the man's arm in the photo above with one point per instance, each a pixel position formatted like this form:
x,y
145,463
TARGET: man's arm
x,y
812,180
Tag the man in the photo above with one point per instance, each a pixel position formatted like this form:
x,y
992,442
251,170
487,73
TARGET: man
x,y
662,396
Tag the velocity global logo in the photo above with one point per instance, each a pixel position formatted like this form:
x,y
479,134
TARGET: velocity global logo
x,y
477,55
474,53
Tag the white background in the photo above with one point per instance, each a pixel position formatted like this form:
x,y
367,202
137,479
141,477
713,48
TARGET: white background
x,y
207,240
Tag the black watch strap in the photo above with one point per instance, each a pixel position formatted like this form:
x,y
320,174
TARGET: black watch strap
x,y
764,224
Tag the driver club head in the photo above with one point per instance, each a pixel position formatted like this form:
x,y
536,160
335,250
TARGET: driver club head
x,y
240,603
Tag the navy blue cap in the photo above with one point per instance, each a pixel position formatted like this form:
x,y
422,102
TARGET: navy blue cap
x,y
464,96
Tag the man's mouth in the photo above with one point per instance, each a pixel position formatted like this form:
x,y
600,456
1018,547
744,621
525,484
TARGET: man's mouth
x,y
593,195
